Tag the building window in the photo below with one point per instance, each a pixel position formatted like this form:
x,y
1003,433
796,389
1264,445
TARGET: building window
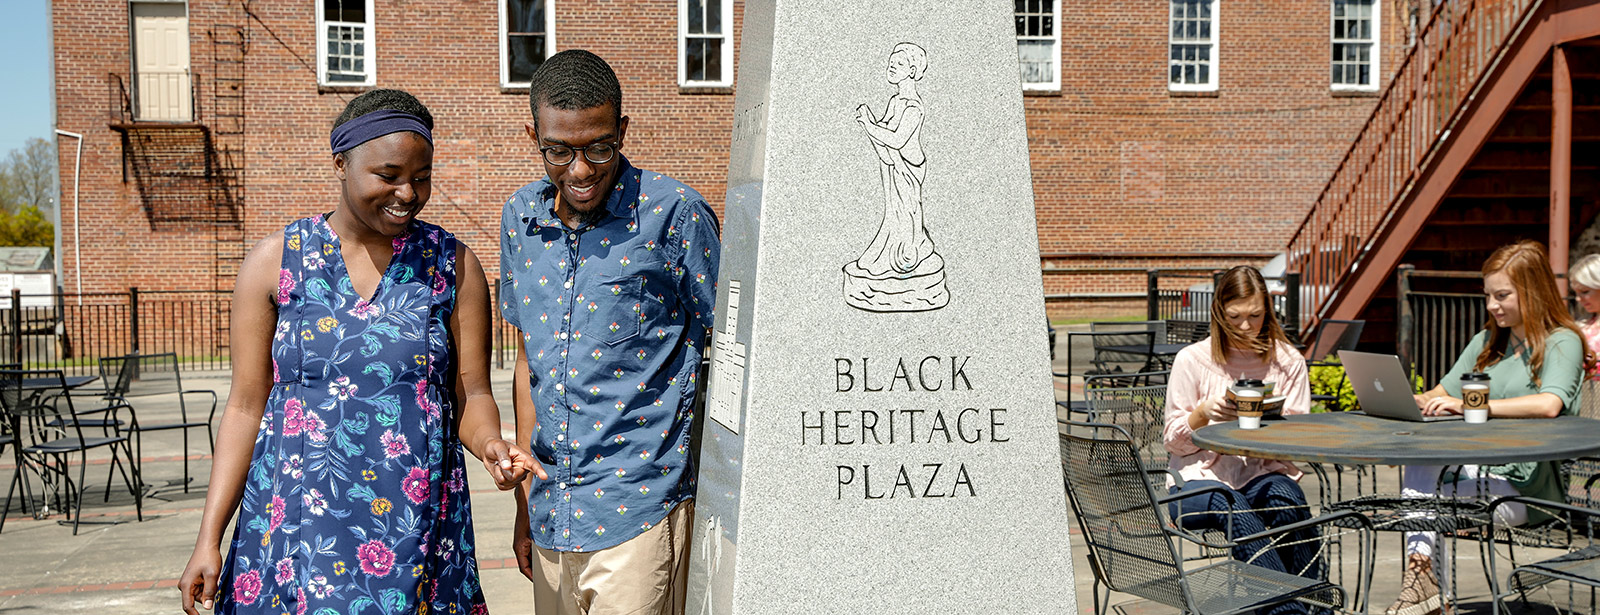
x,y
1192,64
1039,43
527,37
705,46
1355,49
345,51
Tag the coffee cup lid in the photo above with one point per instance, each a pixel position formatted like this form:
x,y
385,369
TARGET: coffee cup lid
x,y
1249,382
1475,377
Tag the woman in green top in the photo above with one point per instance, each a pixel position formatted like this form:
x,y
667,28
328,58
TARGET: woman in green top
x,y
1535,357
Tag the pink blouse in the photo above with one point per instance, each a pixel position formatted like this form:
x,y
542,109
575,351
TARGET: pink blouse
x,y
1196,378
1591,337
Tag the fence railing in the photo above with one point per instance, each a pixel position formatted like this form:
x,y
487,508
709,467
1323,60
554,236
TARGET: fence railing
x,y
153,97
1434,325
1193,302
1455,49
72,332
506,337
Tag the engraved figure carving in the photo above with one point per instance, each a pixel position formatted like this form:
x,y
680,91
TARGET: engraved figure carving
x,y
900,271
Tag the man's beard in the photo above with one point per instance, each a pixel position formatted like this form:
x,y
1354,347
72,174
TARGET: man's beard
x,y
592,217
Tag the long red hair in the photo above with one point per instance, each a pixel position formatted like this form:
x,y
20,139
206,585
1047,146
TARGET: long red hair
x,y
1538,298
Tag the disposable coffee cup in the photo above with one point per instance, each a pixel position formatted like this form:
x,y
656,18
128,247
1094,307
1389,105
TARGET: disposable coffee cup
x,y
1248,404
1475,397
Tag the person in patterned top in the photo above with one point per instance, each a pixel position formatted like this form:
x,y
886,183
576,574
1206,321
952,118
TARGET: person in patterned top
x,y
609,271
360,368
1584,280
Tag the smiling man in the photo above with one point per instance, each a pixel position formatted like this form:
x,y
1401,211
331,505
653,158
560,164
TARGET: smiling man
x,y
610,273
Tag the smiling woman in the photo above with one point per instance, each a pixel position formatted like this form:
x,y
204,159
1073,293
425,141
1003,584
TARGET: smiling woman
x,y
1534,356
360,370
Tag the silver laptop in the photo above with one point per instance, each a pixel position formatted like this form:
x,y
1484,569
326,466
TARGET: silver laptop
x,y
1383,388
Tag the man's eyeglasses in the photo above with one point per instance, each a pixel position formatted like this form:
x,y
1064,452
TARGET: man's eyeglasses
x,y
563,155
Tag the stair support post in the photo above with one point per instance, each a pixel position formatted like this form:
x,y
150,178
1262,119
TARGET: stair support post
x,y
1560,165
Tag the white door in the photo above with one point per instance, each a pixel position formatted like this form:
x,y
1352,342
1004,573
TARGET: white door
x,y
161,61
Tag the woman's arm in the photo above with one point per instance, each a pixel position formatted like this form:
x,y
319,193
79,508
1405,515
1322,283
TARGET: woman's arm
x,y
1535,406
255,316
1296,386
478,417
1186,410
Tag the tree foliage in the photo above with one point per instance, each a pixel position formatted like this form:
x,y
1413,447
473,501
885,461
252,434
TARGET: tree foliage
x,y
26,181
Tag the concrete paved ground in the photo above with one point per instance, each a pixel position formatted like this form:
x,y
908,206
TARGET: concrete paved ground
x,y
117,565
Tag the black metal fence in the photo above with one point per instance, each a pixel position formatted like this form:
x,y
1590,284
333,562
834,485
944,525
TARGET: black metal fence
x,y
72,332
1186,295
505,336
1438,315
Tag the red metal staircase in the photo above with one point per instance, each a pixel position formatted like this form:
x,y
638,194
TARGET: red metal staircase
x,y
1442,164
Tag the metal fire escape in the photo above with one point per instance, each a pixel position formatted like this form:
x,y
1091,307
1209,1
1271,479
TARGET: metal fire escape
x,y
189,171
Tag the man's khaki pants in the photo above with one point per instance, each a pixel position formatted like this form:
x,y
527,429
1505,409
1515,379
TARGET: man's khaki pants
x,y
646,575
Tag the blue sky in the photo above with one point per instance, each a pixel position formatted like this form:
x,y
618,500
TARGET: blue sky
x,y
25,104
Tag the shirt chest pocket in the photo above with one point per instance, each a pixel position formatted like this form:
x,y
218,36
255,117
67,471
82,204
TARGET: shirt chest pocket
x,y
618,307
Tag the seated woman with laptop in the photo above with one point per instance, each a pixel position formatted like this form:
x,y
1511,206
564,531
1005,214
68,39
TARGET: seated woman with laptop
x,y
1246,342
1535,358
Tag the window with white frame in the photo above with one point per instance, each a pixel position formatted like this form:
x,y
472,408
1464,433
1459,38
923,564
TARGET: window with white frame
x,y
527,37
705,45
1355,49
345,48
1039,43
1192,63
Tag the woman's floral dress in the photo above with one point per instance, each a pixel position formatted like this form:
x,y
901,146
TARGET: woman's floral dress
x,y
356,501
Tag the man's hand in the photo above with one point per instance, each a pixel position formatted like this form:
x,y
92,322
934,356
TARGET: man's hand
x,y
509,465
522,545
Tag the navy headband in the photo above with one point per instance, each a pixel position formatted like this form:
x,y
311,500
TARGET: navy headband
x,y
373,125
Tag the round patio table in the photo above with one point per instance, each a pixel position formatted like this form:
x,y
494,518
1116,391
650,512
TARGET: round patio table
x,y
1353,438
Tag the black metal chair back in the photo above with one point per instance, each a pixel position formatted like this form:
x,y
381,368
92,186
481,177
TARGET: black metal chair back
x,y
1336,335
1158,327
1117,512
36,395
1187,331
1124,351
116,373
1137,409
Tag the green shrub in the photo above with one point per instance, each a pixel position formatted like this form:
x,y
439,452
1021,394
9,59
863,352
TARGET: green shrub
x,y
1330,380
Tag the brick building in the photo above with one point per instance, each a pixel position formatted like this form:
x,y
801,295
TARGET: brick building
x,y
1164,133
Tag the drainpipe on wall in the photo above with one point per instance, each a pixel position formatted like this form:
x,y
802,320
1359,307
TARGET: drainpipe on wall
x,y
77,169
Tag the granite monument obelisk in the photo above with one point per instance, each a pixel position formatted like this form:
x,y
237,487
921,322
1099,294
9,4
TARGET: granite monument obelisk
x,y
881,435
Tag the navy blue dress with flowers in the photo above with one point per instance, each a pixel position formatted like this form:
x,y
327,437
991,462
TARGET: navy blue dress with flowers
x,y
356,501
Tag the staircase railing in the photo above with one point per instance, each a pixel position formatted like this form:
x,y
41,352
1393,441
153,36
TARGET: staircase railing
x,y
1450,56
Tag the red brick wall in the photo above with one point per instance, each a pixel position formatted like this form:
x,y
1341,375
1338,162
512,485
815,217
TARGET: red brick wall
x,y
1126,175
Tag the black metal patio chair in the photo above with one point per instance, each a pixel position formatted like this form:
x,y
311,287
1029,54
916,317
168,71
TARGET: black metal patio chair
x,y
1131,541
1333,336
1139,409
1577,566
50,435
146,377
1078,409
1187,331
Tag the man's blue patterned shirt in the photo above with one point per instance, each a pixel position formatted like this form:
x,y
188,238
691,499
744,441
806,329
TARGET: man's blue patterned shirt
x,y
614,316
